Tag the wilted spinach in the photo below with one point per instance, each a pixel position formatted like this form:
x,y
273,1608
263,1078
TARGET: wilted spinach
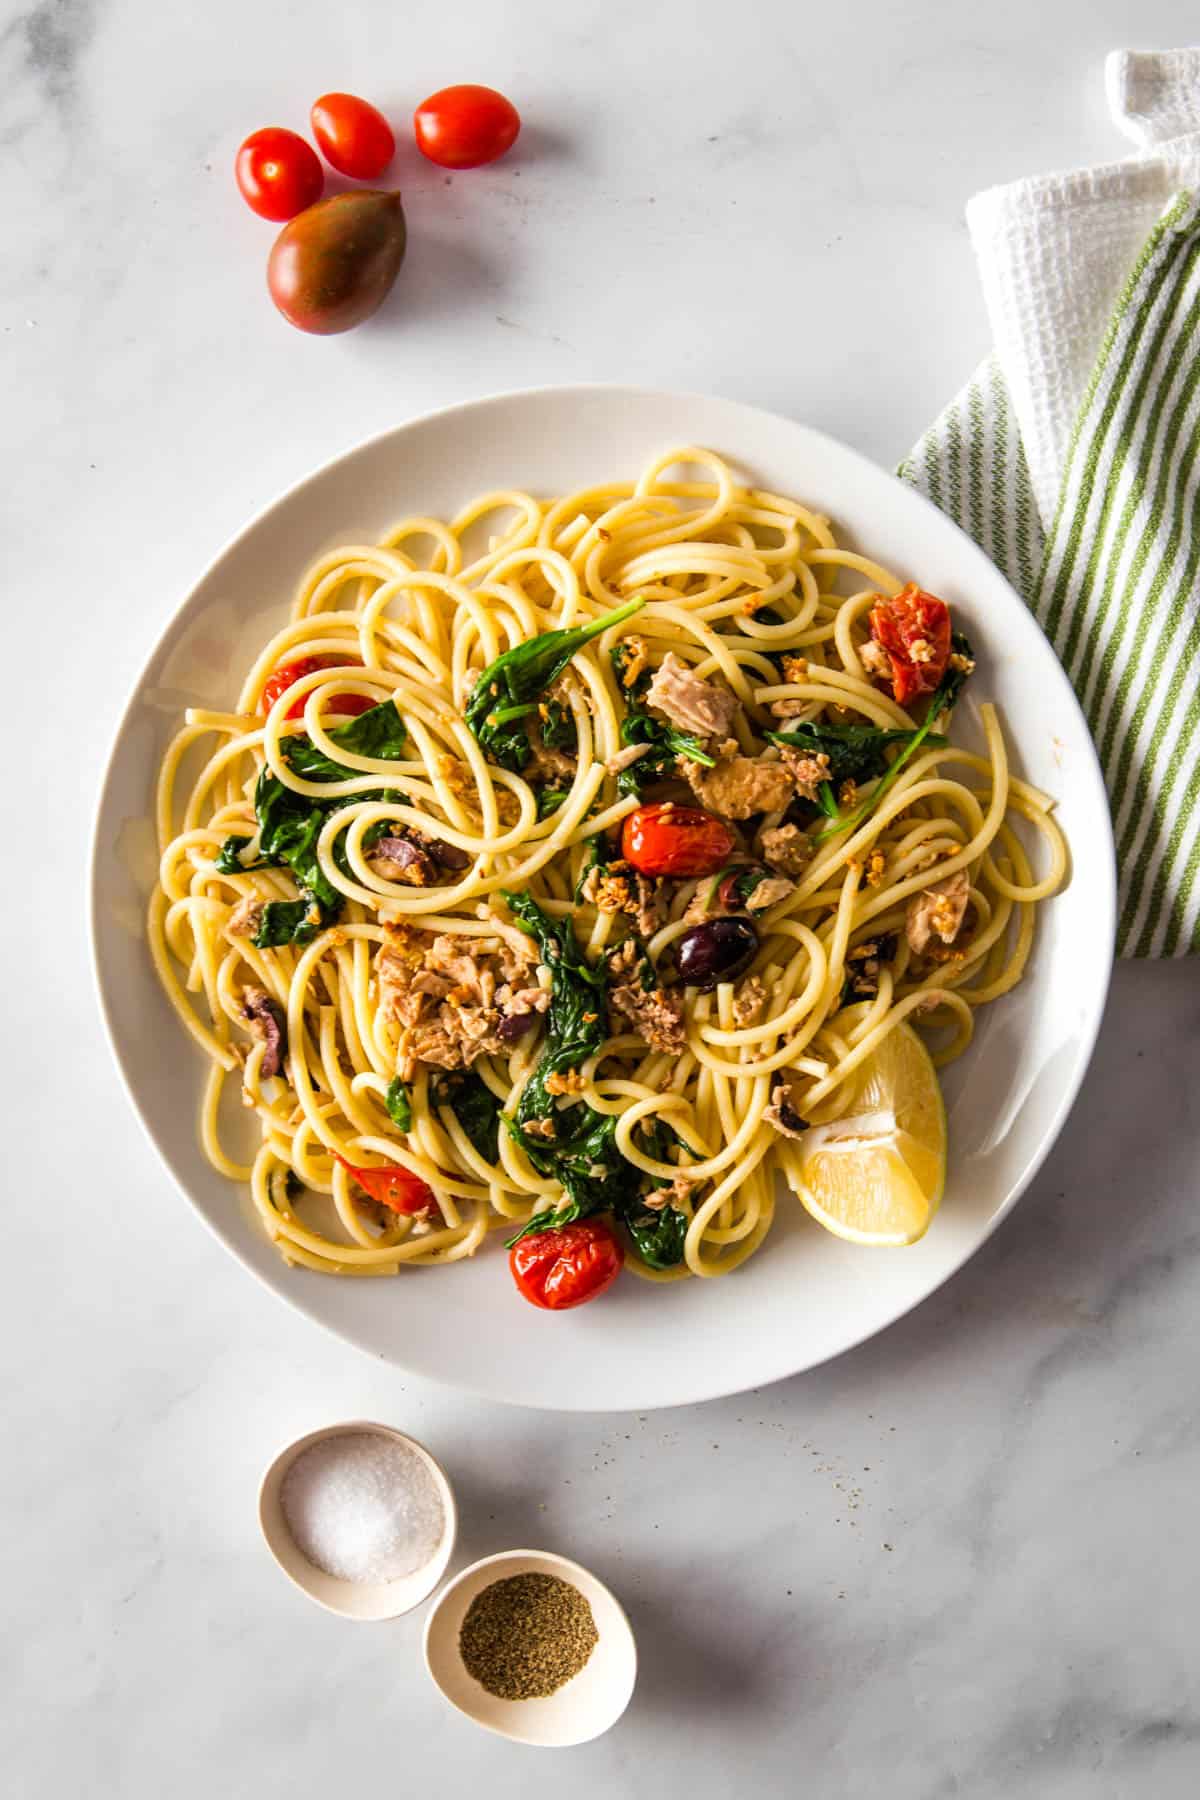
x,y
399,1105
290,823
666,742
475,1107
657,1235
855,752
941,700
508,691
228,859
582,1155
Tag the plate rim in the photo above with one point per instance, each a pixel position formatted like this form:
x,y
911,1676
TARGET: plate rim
x,y
229,1236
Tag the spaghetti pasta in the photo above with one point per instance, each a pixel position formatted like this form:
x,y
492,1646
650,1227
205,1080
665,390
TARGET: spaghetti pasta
x,y
354,858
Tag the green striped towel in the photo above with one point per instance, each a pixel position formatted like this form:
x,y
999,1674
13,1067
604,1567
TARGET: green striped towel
x,y
1112,570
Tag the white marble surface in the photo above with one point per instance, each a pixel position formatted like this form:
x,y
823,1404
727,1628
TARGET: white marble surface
x,y
960,1562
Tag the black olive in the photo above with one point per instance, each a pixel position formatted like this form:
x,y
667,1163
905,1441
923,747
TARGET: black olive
x,y
448,855
514,1025
715,952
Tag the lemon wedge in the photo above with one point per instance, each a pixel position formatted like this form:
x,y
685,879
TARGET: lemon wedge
x,y
876,1175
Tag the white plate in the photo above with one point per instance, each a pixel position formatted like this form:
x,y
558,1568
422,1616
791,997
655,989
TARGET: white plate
x,y
805,1296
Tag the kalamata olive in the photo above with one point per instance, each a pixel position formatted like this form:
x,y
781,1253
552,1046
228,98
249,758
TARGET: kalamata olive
x,y
715,952
266,1020
449,856
514,1025
334,265
399,859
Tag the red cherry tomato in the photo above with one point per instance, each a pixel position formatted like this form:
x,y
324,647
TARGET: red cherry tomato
x,y
567,1264
279,173
675,840
354,135
393,1186
914,629
290,673
462,127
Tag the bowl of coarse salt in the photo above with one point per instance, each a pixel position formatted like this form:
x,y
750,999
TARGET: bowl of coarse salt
x,y
360,1517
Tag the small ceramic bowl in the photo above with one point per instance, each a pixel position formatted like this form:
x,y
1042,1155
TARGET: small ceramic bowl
x,y
353,1599
583,1707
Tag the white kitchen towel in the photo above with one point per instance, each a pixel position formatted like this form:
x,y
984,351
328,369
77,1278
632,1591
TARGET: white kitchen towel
x,y
1073,457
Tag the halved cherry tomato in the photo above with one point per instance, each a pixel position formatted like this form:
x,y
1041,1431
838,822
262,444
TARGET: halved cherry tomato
x,y
393,1186
462,127
290,673
354,135
567,1264
279,173
914,629
675,840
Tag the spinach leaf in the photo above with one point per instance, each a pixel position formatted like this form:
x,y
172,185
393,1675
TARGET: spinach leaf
x,y
289,922
666,744
290,823
658,1138
289,826
379,733
508,690
599,854
657,1235
558,727
855,752
941,700
638,726
582,1155
399,1105
475,1107
576,1012
229,860
549,801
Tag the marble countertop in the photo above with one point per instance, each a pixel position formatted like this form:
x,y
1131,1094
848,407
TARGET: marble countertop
x,y
958,1562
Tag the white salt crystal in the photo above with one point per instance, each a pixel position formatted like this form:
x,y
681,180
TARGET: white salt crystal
x,y
363,1507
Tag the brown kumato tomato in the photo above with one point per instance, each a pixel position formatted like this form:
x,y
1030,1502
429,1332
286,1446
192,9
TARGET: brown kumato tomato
x,y
334,266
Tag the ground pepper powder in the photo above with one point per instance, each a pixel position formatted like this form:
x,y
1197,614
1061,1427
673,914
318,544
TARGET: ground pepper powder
x,y
523,1637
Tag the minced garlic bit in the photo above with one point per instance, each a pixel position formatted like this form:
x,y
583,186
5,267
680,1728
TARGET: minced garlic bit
x,y
635,659
566,1081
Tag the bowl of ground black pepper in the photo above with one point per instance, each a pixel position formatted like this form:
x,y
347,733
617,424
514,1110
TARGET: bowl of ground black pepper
x,y
534,1647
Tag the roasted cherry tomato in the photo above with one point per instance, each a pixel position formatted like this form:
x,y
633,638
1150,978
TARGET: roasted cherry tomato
x,y
914,629
279,174
354,135
462,127
567,1264
393,1186
290,673
675,840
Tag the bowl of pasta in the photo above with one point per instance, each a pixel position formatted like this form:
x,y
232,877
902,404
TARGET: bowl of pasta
x,y
596,845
